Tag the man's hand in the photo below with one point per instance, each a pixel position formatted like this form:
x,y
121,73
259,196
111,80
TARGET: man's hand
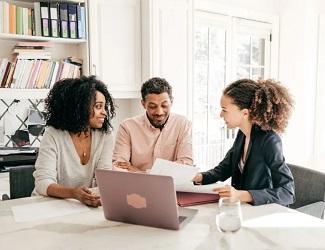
x,y
126,165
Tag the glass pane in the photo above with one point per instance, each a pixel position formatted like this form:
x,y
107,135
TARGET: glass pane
x,y
201,56
243,49
200,98
217,45
201,43
242,72
217,79
258,51
209,80
257,73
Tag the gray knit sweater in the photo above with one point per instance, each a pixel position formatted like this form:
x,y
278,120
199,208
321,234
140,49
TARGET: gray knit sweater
x,y
59,162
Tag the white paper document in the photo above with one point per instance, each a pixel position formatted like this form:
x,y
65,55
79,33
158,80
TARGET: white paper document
x,y
47,209
182,175
190,187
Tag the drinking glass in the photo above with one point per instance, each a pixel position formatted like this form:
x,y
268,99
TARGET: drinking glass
x,y
229,215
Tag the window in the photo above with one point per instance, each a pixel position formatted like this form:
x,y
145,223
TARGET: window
x,y
225,49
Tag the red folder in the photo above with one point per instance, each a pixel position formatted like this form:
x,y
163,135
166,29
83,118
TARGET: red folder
x,y
185,199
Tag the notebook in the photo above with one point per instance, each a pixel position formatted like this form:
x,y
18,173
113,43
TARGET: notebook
x,y
141,199
185,199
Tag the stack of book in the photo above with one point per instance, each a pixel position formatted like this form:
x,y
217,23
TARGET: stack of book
x,y
33,68
50,19
32,50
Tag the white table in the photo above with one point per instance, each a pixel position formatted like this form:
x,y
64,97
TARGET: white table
x,y
265,227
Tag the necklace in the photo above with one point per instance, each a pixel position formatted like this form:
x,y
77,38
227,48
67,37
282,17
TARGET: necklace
x,y
82,144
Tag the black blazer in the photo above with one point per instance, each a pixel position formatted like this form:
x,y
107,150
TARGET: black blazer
x,y
265,176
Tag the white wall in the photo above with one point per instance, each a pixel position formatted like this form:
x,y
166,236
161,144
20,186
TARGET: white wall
x,y
298,70
126,108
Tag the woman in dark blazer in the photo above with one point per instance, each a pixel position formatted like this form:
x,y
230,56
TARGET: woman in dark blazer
x,y
255,162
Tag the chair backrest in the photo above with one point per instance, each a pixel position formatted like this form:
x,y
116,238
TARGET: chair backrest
x,y
21,181
309,186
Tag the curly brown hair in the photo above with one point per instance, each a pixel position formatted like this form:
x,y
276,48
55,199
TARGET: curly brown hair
x,y
268,101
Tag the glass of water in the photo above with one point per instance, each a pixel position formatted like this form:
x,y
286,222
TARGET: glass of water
x,y
229,216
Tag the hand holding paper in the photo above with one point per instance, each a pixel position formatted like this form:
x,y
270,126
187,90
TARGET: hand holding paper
x,y
181,173
183,176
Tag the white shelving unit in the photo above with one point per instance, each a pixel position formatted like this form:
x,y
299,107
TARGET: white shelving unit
x,y
15,37
62,48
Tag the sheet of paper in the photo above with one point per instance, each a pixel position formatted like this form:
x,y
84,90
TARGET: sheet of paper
x,y
47,209
190,187
181,173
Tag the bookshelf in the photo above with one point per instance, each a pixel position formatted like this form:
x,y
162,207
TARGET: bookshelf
x,y
62,48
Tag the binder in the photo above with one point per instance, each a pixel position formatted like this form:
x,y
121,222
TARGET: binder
x,y
72,19
54,20
45,23
63,12
81,17
79,29
83,21
185,199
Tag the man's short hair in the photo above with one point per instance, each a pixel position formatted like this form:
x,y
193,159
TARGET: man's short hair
x,y
156,85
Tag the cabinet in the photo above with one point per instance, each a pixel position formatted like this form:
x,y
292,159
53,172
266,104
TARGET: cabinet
x,y
63,47
167,47
115,45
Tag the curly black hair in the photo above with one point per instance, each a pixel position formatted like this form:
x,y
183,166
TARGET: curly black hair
x,y
269,103
156,85
69,103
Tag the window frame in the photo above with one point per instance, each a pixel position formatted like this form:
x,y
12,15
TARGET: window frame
x,y
212,12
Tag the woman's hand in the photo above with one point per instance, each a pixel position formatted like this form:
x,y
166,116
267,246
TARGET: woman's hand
x,y
85,196
230,191
198,179
227,191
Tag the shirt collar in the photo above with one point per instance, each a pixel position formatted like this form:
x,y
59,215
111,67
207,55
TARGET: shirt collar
x,y
148,123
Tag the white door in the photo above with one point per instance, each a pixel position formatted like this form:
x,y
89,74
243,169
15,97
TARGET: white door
x,y
115,45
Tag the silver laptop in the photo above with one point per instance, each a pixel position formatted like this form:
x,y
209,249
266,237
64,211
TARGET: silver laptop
x,y
141,199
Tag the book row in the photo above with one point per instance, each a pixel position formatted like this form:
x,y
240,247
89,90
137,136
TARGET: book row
x,y
31,74
50,19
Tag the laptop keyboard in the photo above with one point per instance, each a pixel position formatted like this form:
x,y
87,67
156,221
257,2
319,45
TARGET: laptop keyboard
x,y
181,218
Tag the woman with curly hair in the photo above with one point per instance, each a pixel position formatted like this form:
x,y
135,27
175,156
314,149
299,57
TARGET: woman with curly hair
x,y
77,139
255,162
